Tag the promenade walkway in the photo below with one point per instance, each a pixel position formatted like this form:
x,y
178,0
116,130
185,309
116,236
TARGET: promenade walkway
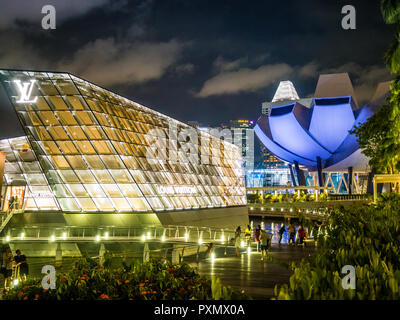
x,y
247,272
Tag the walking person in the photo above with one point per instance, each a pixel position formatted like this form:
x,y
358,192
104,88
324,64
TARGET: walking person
x,y
281,232
11,202
247,235
302,234
22,262
292,234
257,237
237,240
8,262
265,241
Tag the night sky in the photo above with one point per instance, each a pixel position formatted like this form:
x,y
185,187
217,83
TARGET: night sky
x,y
209,61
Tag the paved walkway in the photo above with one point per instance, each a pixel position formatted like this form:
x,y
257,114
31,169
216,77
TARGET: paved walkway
x,y
247,272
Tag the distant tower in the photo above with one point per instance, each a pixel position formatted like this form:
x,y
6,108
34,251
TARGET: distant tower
x,y
285,92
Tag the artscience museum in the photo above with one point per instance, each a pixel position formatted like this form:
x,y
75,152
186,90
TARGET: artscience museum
x,y
312,134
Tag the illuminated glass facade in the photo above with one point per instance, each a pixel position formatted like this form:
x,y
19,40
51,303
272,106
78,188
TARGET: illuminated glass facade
x,y
86,150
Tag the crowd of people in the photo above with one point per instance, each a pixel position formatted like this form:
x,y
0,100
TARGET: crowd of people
x,y
13,267
263,239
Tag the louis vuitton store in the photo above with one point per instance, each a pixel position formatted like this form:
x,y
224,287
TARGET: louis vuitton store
x,y
70,148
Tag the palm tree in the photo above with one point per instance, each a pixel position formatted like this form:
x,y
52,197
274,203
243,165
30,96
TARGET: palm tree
x,y
390,10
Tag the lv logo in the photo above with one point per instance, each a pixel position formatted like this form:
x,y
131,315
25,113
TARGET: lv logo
x,y
25,91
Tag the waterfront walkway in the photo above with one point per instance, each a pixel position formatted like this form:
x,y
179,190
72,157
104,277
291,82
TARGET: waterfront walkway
x,y
247,272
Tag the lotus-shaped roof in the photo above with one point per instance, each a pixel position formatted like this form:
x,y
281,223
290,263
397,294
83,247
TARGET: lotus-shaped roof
x,y
295,132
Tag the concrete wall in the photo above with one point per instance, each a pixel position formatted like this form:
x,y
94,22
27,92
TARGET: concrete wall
x,y
230,217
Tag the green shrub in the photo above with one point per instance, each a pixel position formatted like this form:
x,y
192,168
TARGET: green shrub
x,y
153,280
368,238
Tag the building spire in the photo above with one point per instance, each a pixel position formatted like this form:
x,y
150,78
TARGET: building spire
x,y
285,92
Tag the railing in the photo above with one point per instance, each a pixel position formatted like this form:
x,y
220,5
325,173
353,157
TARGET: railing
x,y
169,233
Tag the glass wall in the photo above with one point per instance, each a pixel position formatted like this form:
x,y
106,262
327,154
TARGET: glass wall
x,y
92,150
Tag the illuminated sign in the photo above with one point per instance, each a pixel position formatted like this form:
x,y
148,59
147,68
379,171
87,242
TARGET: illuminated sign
x,y
25,91
176,190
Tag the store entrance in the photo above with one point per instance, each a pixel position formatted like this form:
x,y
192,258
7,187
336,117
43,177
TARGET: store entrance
x,y
14,198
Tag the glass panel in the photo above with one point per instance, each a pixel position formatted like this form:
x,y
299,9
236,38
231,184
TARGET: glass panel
x,y
102,147
61,191
121,204
69,176
48,118
121,176
130,190
87,204
86,176
112,162
138,204
58,103
78,190
94,133
85,147
37,179
67,147
77,162
75,102
94,162
46,203
58,133
68,204
84,117
67,118
103,176
104,204
112,190
76,133
95,190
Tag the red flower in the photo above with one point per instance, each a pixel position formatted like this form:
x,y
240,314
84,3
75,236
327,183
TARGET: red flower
x,y
154,292
20,294
79,284
126,281
189,287
63,279
26,298
141,284
181,290
146,280
104,296
45,290
36,296
143,292
26,287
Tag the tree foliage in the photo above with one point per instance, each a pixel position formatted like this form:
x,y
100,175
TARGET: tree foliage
x,y
379,136
390,10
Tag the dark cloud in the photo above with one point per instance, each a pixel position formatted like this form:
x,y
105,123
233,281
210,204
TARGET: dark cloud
x,y
198,60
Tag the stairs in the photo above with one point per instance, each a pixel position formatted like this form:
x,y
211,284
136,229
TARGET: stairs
x,y
5,218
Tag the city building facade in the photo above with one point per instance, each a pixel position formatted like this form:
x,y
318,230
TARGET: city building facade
x,y
79,148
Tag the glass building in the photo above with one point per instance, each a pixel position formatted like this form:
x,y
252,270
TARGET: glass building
x,y
82,148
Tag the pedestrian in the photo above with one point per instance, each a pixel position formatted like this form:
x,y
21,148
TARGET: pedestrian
x,y
11,203
8,262
237,240
247,235
302,234
265,241
22,262
281,232
257,237
292,234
